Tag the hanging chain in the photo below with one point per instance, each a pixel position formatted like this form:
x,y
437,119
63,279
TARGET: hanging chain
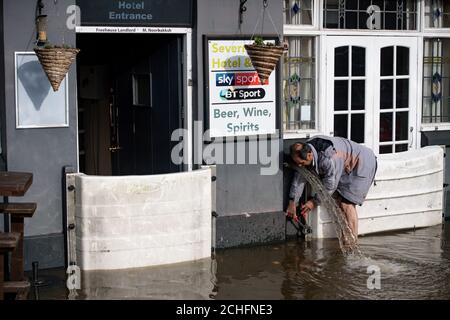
x,y
265,4
263,15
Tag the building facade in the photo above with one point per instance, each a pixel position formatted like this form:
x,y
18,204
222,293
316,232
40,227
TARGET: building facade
x,y
375,71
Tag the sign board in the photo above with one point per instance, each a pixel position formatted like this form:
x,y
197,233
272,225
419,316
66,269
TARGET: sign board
x,y
239,104
139,30
175,13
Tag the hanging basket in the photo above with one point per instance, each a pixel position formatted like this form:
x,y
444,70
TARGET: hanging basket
x,y
56,63
264,58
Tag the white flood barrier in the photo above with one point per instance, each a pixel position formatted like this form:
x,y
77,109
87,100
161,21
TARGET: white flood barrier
x,y
407,193
139,221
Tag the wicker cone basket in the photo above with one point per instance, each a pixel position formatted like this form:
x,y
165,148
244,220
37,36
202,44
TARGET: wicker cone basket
x,y
56,63
264,58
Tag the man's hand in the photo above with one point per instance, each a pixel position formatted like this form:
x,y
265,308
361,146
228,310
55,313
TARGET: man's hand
x,y
291,210
307,207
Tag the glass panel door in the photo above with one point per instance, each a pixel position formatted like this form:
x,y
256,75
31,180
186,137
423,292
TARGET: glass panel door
x,y
371,91
396,98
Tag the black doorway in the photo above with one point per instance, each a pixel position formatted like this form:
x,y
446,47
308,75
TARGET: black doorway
x,y
129,101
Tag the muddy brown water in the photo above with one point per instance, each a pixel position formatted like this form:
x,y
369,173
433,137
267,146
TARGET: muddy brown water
x,y
411,264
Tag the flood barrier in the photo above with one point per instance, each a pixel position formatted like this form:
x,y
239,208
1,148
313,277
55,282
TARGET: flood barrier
x,y
139,221
407,193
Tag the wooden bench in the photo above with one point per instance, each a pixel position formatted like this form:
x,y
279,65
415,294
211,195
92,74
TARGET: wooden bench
x,y
18,211
8,242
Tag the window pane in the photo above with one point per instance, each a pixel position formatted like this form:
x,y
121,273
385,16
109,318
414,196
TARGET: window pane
x,y
306,70
358,94
357,128
299,84
401,126
386,94
379,3
351,5
401,147
402,96
388,17
436,82
402,61
446,18
387,61
391,5
351,20
363,16
341,125
385,149
363,4
341,62
332,4
141,89
437,13
385,127
390,21
340,95
306,17
298,12
332,19
306,89
358,61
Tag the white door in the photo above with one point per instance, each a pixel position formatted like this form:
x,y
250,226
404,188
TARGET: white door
x,y
395,101
371,94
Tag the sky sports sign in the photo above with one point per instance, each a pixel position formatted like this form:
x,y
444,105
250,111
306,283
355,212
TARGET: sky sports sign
x,y
238,79
239,104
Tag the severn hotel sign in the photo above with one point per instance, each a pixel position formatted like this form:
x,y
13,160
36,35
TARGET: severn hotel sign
x,y
239,104
175,13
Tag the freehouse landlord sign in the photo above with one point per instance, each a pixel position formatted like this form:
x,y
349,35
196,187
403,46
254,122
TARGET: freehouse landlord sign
x,y
239,104
176,13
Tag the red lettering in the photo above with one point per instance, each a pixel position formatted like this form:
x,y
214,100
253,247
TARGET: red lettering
x,y
248,79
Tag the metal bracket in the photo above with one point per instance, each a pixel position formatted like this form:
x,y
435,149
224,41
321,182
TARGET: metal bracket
x,y
242,9
40,6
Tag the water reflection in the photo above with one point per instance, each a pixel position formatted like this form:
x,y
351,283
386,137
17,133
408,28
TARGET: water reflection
x,y
412,265
178,281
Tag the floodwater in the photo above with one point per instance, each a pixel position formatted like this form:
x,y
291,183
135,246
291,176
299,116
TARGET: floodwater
x,y
411,264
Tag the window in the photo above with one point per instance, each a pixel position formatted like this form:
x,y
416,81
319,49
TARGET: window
x,y
141,89
436,81
298,12
437,14
394,99
370,14
299,84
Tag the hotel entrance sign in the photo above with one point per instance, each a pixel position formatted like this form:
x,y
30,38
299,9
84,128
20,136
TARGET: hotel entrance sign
x,y
239,104
175,13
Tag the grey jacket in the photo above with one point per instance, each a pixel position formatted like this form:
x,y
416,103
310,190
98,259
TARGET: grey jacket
x,y
346,167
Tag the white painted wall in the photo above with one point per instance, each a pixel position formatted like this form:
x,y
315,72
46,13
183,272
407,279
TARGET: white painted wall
x,y
408,193
138,221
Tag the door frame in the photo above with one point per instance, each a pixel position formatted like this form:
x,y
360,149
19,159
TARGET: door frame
x,y
373,45
186,108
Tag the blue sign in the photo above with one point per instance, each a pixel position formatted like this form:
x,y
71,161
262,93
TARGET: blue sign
x,y
174,13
